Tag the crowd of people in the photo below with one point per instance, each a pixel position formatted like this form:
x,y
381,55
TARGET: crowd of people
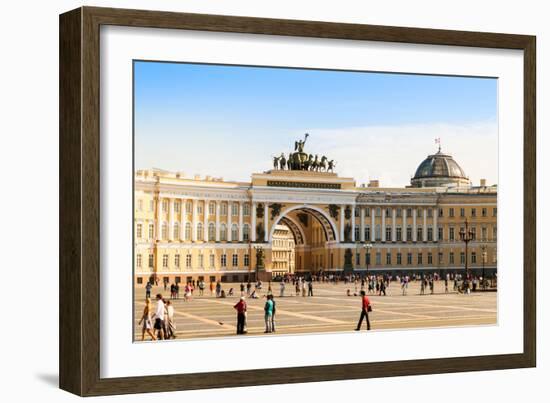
x,y
159,322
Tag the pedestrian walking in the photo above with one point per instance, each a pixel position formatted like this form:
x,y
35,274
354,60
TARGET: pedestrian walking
x,y
146,320
159,317
148,287
169,319
365,309
273,314
310,288
241,315
268,314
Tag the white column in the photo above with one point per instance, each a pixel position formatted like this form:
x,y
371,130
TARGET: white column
x,y
372,224
194,222
384,224
352,223
362,225
425,227
435,212
393,225
218,206
183,213
404,226
171,225
205,212
229,217
415,210
241,221
159,219
253,234
266,222
342,218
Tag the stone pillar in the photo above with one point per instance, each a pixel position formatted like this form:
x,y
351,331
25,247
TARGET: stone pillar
x,y
171,223
241,207
415,210
218,207
266,222
253,229
183,213
384,224
194,222
352,223
434,219
159,219
206,212
342,222
425,227
362,225
393,225
372,224
229,217
404,225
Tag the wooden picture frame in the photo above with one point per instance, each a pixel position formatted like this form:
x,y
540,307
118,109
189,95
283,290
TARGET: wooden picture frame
x,y
79,346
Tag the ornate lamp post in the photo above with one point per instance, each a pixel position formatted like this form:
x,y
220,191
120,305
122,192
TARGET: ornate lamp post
x,y
368,247
483,260
466,236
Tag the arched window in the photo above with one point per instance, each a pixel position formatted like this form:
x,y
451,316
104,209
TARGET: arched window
x,y
234,232
200,234
187,231
211,232
223,232
246,232
164,232
223,209
188,207
212,208
356,232
246,209
176,230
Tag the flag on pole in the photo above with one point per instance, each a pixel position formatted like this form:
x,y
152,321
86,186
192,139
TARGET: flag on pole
x,y
438,141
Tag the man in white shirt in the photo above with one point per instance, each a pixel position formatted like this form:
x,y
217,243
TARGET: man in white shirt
x,y
159,317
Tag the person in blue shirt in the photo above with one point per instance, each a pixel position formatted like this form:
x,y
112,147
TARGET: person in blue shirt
x,y
268,309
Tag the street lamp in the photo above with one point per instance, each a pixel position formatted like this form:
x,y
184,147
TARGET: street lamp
x,y
368,247
483,261
466,236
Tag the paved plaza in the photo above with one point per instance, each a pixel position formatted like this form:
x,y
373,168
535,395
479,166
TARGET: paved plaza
x,y
329,310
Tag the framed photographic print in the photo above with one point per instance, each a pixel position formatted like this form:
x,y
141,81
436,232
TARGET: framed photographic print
x,y
262,201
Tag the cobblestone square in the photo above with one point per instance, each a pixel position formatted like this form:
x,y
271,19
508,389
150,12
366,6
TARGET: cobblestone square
x,y
329,310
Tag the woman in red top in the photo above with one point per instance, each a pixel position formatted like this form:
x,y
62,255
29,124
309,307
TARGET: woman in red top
x,y
241,315
365,308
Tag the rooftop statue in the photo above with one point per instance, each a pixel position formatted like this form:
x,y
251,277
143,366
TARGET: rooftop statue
x,y
302,161
299,145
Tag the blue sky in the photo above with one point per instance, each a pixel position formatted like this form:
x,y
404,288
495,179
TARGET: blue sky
x,y
185,112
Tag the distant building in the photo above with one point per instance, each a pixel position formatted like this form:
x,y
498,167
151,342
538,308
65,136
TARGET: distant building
x,y
209,228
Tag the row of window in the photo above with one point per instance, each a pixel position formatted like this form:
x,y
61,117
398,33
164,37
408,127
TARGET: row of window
x,y
419,258
429,212
189,260
453,233
200,231
234,207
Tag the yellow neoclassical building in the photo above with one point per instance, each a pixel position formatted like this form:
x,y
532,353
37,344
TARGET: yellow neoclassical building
x,y
207,228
